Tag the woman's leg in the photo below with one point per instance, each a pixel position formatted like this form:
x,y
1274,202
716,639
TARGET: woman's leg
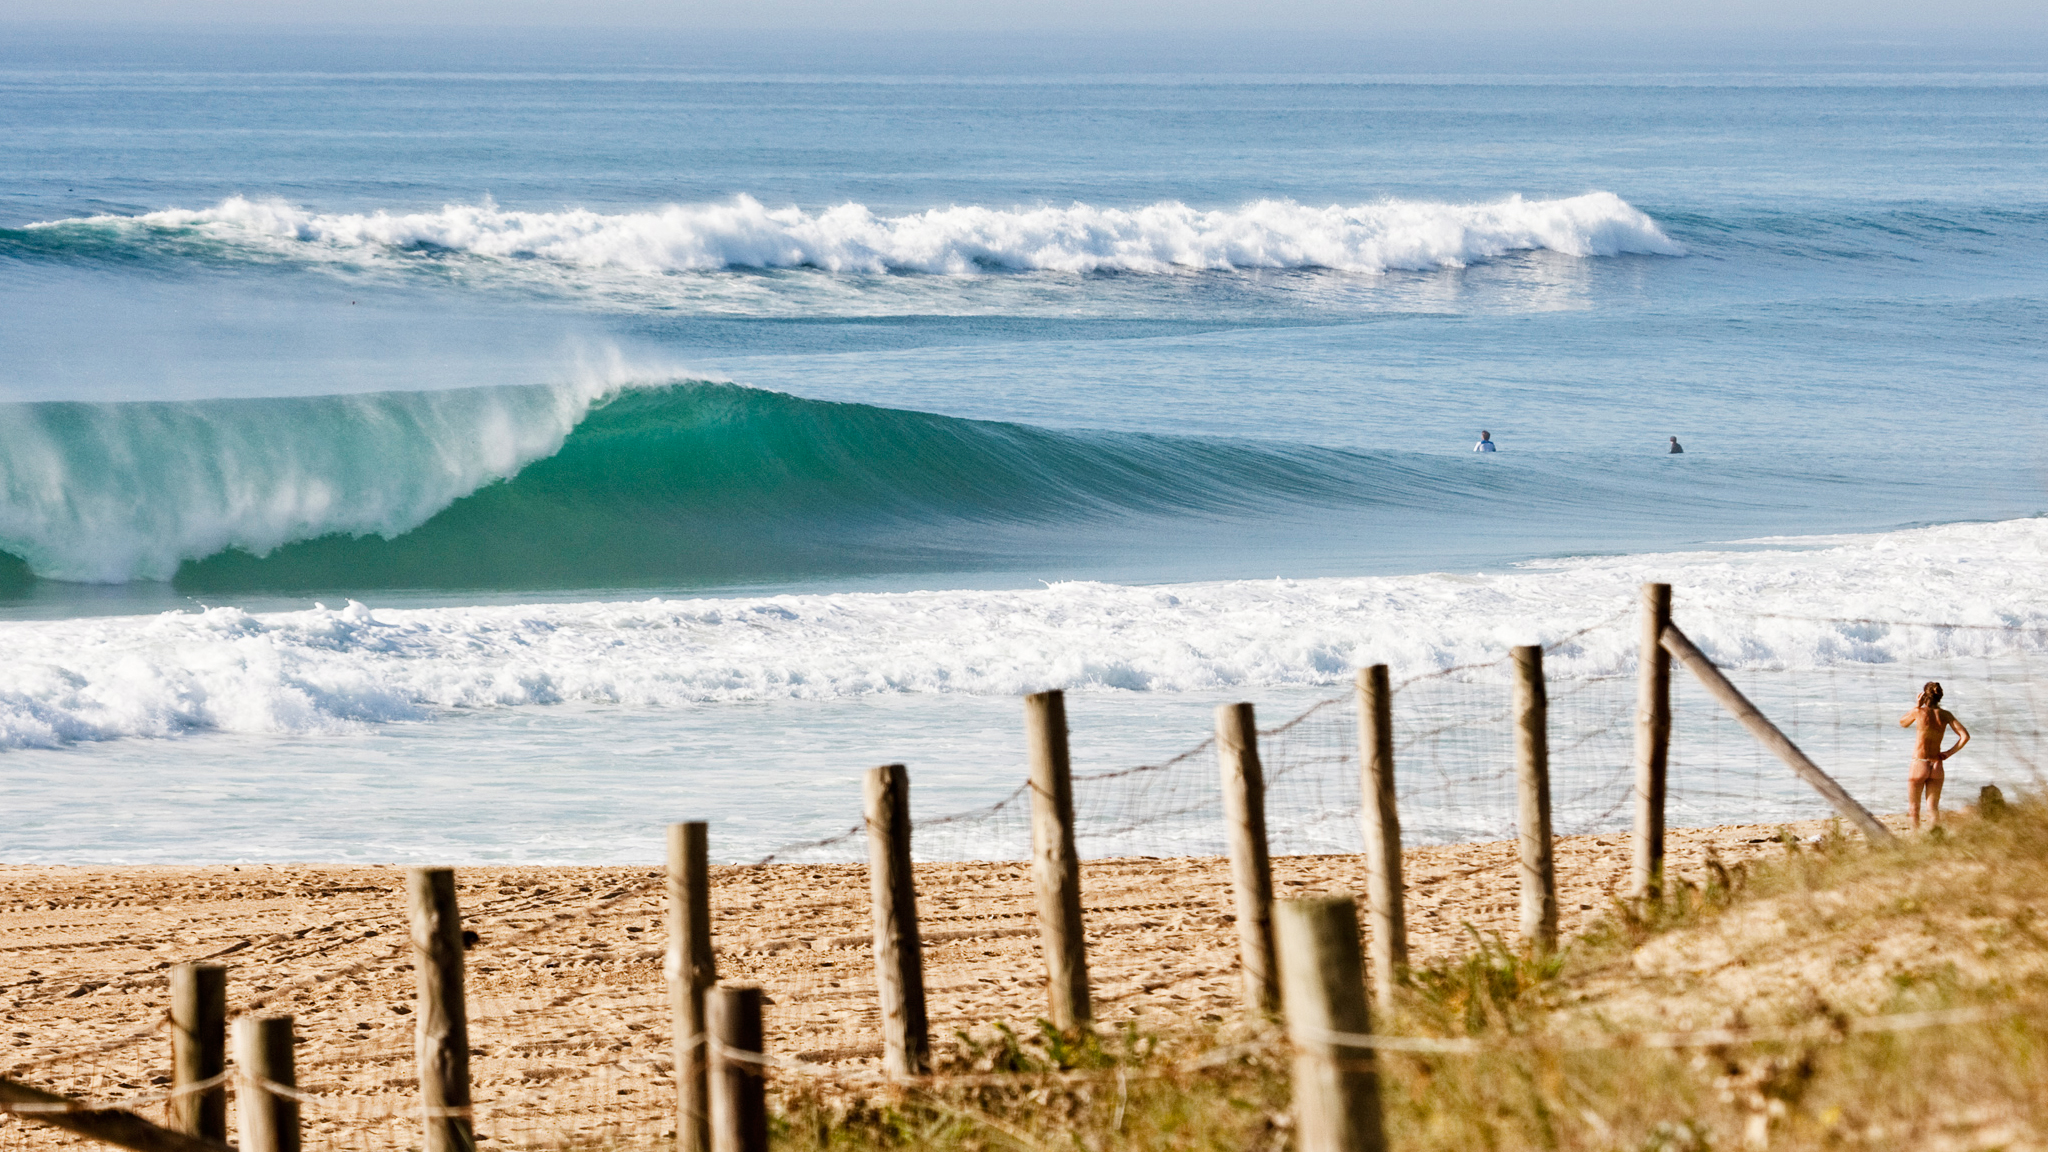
x,y
1914,786
1934,795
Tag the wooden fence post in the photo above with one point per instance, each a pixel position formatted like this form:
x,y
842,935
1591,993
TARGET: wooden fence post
x,y
1055,866
1385,911
690,969
269,1121
199,1049
1653,744
1532,788
443,1033
1336,1088
899,954
739,1091
1251,865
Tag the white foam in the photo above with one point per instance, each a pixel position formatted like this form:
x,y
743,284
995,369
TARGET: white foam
x,y
1370,237
328,670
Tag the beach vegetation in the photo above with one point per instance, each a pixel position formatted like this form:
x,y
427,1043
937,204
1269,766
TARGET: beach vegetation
x,y
1751,1007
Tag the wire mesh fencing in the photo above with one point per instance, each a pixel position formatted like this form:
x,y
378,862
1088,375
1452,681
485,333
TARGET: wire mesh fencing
x,y
1843,705
569,1018
1456,776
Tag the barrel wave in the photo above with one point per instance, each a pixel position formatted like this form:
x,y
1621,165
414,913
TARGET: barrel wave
x,y
538,487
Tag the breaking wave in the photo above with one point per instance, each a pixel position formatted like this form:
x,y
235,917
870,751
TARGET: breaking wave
x,y
574,487
743,233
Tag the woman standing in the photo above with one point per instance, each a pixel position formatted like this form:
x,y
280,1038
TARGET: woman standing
x,y
1934,722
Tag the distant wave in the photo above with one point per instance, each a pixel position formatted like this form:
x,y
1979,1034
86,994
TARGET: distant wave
x,y
562,487
1078,238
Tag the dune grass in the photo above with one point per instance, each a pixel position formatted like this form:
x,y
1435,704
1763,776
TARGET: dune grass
x,y
1814,940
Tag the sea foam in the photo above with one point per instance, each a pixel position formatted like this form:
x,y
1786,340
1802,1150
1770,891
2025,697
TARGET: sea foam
x,y
331,670
1372,237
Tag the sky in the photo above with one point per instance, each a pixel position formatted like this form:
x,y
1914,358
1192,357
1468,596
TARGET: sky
x,y
1880,18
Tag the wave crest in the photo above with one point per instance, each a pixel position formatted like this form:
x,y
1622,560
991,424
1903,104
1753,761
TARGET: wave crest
x,y
1079,238
111,492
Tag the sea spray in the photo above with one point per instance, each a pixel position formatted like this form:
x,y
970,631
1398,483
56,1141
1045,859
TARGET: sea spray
x,y
109,492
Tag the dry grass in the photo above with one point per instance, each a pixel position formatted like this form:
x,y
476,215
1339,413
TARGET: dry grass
x,y
1814,938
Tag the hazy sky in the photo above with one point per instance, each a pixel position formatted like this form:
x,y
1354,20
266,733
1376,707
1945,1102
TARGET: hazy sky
x,y
1437,17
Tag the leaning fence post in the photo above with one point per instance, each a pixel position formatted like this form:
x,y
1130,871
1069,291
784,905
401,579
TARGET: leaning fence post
x,y
1653,743
739,1096
443,1032
1770,737
116,1126
269,1120
1384,911
691,970
1055,866
1532,788
1336,1086
199,1049
899,955
1251,866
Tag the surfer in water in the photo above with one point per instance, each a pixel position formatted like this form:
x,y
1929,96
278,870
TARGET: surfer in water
x,y
1485,443
1675,449
1934,721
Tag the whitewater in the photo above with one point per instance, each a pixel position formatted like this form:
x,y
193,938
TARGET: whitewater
x,y
958,240
1776,605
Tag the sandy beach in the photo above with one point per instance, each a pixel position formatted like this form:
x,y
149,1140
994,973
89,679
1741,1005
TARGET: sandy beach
x,y
569,1015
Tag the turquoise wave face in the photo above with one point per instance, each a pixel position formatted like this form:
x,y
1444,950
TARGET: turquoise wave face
x,y
683,484
15,576
697,483
526,487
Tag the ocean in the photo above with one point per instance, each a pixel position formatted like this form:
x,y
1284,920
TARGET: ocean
x,y
444,449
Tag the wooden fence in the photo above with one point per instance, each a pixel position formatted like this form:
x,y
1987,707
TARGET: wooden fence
x,y
1306,960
